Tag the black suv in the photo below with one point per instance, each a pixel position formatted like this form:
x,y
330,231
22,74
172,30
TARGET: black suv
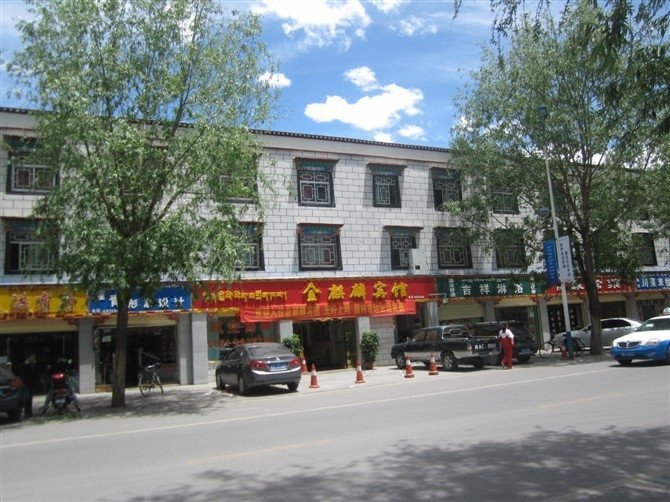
x,y
525,344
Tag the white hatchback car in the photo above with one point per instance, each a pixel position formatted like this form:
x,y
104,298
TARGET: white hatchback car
x,y
651,341
611,328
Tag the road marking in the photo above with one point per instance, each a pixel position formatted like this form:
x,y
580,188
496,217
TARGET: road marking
x,y
294,412
578,401
262,451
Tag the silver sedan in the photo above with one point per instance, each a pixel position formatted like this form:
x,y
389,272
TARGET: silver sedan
x,y
611,328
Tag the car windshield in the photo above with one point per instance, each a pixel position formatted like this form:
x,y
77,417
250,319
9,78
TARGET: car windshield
x,y
268,350
655,324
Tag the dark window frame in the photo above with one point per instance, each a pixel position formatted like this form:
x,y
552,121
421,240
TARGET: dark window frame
x,y
313,241
504,201
252,234
647,247
21,246
446,177
317,176
386,189
20,158
446,238
514,255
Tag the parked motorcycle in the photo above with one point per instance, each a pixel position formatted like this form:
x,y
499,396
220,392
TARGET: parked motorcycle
x,y
61,392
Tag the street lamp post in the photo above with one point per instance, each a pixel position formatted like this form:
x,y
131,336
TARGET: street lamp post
x,y
544,113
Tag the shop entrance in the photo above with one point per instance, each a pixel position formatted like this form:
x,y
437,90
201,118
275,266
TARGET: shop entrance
x,y
328,344
146,345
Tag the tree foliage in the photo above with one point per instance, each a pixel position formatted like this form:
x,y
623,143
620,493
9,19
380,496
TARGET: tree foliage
x,y
605,147
145,114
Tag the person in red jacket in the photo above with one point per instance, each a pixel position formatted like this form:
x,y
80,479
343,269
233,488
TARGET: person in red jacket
x,y
506,338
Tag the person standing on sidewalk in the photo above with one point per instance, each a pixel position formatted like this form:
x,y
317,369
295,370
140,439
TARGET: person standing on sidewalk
x,y
31,378
506,338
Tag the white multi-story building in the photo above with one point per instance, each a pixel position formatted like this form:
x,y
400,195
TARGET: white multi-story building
x,y
355,238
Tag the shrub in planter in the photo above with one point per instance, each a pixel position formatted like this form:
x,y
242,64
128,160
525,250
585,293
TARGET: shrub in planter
x,y
369,347
293,344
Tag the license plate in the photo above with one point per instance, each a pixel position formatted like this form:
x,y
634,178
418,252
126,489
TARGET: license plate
x,y
524,351
278,366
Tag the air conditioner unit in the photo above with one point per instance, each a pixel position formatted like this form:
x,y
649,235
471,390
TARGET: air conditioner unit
x,y
417,262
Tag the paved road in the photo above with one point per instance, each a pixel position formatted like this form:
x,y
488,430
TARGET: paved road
x,y
551,430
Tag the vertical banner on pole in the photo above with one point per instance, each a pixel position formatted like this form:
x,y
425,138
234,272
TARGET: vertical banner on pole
x,y
566,271
550,262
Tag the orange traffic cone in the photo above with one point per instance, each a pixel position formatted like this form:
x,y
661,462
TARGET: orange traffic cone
x,y
313,383
433,367
359,374
408,368
303,366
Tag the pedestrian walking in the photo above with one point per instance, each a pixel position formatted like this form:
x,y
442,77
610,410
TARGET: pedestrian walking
x,y
506,338
30,376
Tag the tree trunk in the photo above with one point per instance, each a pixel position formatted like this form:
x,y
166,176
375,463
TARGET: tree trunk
x,y
589,279
120,352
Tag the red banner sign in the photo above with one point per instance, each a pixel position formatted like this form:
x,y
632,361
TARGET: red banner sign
x,y
606,285
316,299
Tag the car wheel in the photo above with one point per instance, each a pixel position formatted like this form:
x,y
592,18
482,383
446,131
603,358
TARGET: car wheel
x,y
449,362
400,361
523,359
292,386
625,362
242,385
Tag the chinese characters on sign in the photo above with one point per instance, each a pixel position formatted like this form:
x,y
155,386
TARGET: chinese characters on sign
x,y
468,288
166,299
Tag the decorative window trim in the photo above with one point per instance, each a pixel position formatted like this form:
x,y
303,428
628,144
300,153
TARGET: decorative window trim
x,y
252,233
445,234
20,248
315,169
315,250
502,261
442,175
503,201
392,193
19,159
400,259
647,248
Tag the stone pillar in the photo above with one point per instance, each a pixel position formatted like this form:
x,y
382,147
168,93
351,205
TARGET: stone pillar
x,y
362,325
87,360
489,310
199,348
185,349
285,329
544,319
430,311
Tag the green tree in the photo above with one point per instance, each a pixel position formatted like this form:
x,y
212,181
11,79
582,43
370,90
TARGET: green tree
x,y
145,114
603,154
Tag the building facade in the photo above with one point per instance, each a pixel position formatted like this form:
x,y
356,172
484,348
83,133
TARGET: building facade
x,y
355,238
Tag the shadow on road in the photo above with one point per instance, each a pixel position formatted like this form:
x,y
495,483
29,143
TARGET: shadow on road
x,y
629,465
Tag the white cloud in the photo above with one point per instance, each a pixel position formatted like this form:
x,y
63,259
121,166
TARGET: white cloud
x,y
412,132
416,26
387,6
322,23
372,113
383,137
278,80
362,77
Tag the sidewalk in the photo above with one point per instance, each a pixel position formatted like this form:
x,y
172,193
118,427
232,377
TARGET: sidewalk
x,y
192,399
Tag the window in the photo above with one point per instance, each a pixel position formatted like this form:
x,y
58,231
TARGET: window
x,y
252,256
510,249
453,249
25,173
446,187
319,247
645,244
402,240
240,188
504,201
315,183
385,185
25,254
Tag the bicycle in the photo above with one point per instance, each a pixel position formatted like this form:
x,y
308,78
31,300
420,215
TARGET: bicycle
x,y
148,379
555,344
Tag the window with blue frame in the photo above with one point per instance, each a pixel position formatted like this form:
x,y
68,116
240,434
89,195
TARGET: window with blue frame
x,y
319,247
386,185
315,182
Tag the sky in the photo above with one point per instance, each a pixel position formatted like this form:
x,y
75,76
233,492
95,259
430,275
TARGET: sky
x,y
378,70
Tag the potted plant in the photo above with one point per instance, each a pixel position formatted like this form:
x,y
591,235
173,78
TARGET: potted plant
x,y
293,344
369,348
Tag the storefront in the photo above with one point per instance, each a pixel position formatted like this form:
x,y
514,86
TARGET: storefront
x,y
652,294
474,299
152,334
321,311
42,320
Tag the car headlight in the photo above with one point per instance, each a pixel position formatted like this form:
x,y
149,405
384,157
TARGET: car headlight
x,y
652,342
